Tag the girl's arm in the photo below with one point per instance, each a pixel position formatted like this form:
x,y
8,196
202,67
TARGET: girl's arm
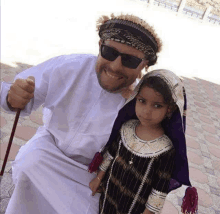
x,y
101,174
95,183
146,211
107,159
109,154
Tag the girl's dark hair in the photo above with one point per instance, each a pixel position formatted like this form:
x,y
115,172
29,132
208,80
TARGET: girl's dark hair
x,y
159,85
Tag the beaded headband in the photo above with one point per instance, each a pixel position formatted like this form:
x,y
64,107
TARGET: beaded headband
x,y
129,30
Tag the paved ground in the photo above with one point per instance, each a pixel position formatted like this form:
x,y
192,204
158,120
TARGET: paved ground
x,y
202,133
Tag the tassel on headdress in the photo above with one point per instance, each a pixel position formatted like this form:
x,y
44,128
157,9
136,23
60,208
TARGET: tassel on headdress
x,y
190,201
96,161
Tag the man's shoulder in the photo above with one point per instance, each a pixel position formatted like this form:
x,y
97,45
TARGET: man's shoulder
x,y
78,57
73,62
68,66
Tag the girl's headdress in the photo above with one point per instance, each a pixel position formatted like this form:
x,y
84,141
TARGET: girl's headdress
x,y
174,128
132,31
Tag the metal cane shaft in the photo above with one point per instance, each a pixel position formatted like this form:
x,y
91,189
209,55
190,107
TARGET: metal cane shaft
x,y
10,141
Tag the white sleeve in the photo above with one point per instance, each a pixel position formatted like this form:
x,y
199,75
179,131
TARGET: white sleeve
x,y
107,159
4,91
42,74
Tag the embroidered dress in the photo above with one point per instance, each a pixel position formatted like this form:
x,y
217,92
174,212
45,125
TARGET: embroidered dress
x,y
134,179
174,128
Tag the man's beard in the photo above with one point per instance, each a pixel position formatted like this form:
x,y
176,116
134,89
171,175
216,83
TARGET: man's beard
x,y
116,89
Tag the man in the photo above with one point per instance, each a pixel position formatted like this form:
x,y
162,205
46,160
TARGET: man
x,y
81,95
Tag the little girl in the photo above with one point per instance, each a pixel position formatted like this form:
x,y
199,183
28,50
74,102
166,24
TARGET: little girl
x,y
146,159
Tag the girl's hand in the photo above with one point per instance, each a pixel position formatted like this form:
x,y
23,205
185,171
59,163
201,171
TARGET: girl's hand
x,y
94,185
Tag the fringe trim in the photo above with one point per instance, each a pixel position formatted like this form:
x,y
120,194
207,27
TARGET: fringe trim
x,y
133,19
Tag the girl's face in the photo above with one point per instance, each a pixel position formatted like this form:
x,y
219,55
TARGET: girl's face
x,y
150,107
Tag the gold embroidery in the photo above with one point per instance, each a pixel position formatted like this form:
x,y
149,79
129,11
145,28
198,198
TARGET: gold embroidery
x,y
155,201
138,175
107,159
150,149
126,191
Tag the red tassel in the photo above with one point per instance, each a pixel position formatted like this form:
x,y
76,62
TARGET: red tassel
x,y
190,201
96,161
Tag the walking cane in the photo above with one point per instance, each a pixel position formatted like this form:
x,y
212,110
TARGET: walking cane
x,y
10,143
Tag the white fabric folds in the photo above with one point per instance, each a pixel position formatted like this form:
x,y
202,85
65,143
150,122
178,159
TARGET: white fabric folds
x,y
46,181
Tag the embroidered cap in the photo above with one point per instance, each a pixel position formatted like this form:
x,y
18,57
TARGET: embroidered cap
x,y
132,31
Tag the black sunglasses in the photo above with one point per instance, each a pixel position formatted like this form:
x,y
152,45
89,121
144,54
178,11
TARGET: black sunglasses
x,y
127,60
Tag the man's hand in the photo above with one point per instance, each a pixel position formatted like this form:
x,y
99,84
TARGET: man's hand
x,y
94,185
21,92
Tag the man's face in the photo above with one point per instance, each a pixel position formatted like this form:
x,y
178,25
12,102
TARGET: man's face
x,y
112,75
